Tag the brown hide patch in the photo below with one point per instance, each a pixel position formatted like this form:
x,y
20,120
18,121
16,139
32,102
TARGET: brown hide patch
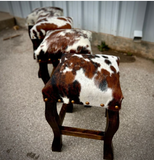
x,y
113,69
68,78
49,92
51,26
62,81
113,82
74,91
118,60
61,18
76,63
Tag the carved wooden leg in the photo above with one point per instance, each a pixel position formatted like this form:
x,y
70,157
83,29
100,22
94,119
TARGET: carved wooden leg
x,y
53,120
111,128
43,72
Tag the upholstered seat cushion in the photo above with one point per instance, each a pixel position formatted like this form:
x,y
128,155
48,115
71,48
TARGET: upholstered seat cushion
x,y
64,41
86,78
44,24
44,11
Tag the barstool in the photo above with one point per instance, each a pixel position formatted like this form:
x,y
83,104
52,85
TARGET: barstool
x,y
48,23
84,79
58,42
39,22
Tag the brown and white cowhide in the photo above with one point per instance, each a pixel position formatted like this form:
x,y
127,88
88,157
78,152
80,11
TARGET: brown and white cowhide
x,y
86,78
40,14
63,41
44,24
44,11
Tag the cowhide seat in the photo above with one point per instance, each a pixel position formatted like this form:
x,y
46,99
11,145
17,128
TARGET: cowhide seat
x,y
39,22
32,18
48,23
92,80
39,14
58,42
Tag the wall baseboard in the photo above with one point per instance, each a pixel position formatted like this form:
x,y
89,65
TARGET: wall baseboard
x,y
143,48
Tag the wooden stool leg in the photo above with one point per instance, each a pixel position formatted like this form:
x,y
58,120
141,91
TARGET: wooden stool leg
x,y
43,72
53,120
111,128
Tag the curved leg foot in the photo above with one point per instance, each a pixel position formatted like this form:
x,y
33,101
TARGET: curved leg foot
x,y
111,128
53,120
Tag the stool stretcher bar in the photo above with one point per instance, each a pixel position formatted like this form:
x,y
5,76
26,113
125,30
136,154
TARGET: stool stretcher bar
x,y
84,133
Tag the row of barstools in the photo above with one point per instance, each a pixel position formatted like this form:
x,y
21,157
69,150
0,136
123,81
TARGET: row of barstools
x,y
52,35
78,76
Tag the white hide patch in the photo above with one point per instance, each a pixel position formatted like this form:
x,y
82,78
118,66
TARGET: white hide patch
x,y
64,32
91,93
65,100
88,33
77,55
43,31
81,41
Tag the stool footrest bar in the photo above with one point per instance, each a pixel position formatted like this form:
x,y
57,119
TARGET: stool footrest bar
x,y
84,133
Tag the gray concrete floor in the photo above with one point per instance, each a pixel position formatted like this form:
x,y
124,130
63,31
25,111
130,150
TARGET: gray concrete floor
x,y
24,132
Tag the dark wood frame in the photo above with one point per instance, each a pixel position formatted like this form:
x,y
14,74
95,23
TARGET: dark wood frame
x,y
43,72
43,66
56,121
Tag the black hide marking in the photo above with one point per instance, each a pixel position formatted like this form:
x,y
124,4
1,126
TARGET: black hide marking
x,y
74,90
107,62
97,56
105,57
103,85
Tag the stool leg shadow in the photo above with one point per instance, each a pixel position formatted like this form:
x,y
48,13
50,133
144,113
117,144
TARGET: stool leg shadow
x,y
112,126
53,120
69,108
43,72
105,112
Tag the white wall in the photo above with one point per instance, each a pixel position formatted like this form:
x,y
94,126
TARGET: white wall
x,y
119,18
